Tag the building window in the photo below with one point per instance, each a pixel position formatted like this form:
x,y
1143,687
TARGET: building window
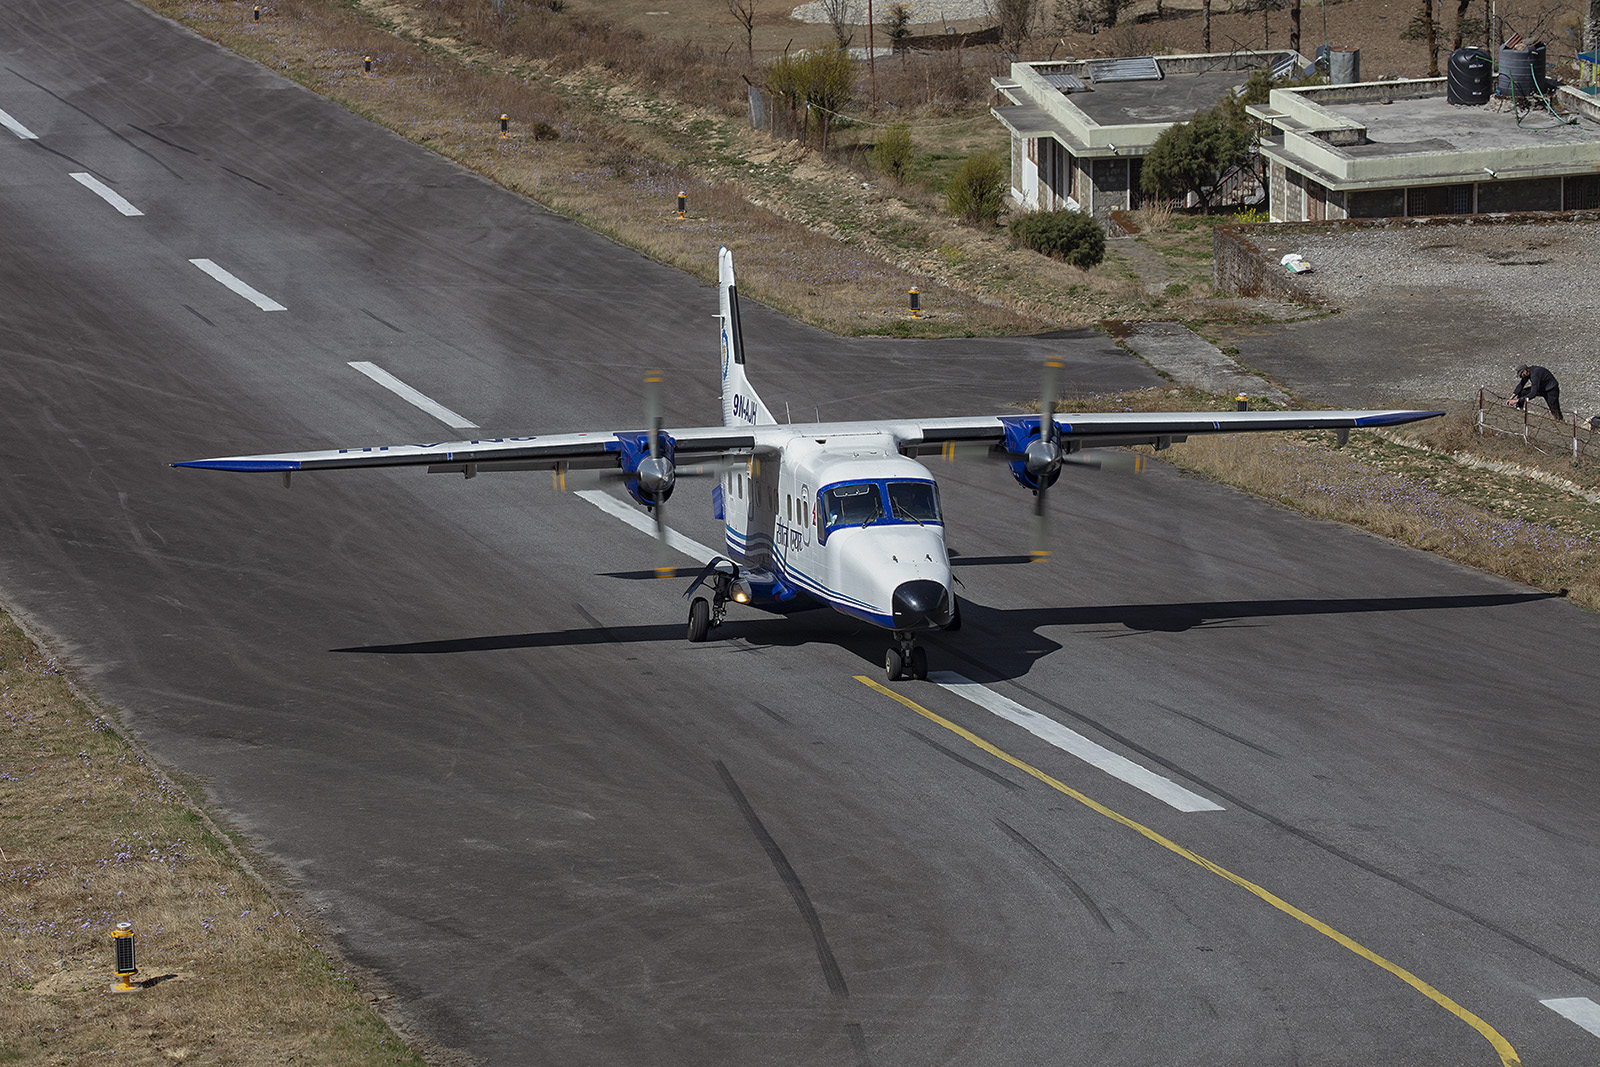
x,y
1534,194
1581,193
1378,204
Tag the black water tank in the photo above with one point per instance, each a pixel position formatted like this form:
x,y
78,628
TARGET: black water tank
x,y
1522,71
1469,77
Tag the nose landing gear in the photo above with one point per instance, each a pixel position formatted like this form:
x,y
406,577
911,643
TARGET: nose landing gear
x,y
907,660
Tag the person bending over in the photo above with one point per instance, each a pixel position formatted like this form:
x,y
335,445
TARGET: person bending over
x,y
1536,381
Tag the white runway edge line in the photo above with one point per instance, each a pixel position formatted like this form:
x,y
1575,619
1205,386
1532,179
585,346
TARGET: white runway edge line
x,y
256,297
106,193
640,521
411,396
1073,743
1581,1010
17,128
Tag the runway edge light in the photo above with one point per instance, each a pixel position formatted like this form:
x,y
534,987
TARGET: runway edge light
x,y
122,941
505,126
916,302
683,205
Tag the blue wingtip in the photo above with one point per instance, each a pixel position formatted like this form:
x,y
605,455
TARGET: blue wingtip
x,y
1398,417
241,464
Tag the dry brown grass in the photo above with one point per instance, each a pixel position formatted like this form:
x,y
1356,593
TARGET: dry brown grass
x,y
91,837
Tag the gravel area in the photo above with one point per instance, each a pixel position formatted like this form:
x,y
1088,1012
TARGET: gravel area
x,y
922,11
1435,311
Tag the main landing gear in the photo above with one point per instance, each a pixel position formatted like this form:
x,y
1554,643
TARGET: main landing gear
x,y
709,596
905,661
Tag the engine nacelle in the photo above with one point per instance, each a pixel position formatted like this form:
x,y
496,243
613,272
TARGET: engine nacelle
x,y
1038,462
649,479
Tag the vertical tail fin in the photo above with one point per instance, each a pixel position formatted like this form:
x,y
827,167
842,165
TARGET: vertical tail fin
x,y
740,404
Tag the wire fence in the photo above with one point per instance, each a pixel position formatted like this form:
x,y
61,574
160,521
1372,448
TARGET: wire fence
x,y
1537,428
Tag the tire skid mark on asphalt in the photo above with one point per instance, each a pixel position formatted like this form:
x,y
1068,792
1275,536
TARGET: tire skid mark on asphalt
x,y
1058,871
791,881
1502,1047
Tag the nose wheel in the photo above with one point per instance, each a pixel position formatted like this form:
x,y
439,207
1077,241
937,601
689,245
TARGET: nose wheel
x,y
906,660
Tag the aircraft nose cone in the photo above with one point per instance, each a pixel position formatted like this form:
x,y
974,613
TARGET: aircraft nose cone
x,y
921,605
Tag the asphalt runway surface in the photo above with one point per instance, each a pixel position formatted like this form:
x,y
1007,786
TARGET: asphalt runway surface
x,y
471,734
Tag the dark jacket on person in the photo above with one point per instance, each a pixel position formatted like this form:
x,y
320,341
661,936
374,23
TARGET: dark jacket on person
x,y
1539,382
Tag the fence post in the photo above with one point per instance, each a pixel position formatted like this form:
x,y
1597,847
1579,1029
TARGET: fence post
x,y
1524,423
1480,411
1574,437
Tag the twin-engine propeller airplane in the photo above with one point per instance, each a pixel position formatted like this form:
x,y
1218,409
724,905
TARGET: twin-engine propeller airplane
x,y
838,512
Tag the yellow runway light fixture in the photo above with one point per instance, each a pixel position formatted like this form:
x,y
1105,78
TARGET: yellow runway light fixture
x,y
505,126
916,302
683,205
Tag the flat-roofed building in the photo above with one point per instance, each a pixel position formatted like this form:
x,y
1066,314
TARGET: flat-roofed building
x,y
1383,149
1080,129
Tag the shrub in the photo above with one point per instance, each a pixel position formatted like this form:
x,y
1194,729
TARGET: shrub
x,y
976,191
1067,235
1188,156
822,78
891,156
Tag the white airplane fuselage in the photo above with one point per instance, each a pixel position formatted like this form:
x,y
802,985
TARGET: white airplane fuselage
x,y
847,521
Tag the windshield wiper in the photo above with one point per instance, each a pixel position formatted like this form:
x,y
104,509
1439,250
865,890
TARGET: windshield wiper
x,y
905,512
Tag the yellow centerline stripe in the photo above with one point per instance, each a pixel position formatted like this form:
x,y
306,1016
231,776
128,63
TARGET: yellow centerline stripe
x,y
1508,1055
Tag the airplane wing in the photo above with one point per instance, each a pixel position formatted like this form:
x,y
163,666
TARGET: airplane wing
x,y
612,450
599,450
1160,428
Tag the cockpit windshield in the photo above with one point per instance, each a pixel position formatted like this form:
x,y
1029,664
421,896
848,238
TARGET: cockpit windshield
x,y
918,501
849,505
862,503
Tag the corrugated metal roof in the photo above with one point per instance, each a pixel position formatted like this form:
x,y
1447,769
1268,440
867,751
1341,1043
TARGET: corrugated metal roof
x,y
1128,69
1067,83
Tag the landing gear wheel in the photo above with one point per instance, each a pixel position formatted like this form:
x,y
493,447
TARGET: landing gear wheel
x,y
894,665
699,620
919,663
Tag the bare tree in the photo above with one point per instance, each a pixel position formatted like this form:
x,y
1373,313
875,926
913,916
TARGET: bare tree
x,y
744,13
1014,17
837,12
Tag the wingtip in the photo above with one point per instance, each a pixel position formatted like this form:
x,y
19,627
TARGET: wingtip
x,y
279,465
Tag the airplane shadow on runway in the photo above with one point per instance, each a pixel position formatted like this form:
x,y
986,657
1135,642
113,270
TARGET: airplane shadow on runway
x,y
1004,641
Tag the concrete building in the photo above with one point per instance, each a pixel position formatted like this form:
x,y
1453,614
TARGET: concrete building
x,y
1080,129
1383,149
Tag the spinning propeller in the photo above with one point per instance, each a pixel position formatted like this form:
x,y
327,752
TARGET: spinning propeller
x,y
1035,453
650,472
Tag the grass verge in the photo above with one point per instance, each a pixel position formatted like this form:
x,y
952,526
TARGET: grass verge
x,y
90,836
